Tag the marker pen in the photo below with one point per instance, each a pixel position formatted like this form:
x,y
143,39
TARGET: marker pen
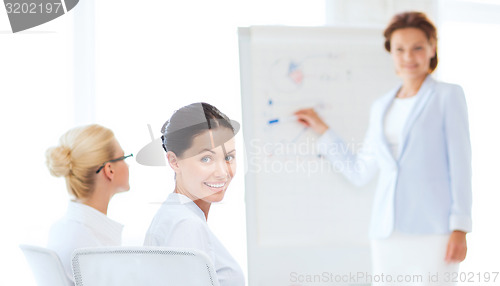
x,y
282,119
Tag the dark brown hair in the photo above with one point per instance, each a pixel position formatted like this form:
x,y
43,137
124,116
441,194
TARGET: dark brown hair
x,y
413,20
189,121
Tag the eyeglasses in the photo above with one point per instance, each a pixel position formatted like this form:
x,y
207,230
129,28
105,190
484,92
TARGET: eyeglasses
x,y
114,160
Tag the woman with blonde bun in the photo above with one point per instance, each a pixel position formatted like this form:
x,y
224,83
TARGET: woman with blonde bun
x,y
92,163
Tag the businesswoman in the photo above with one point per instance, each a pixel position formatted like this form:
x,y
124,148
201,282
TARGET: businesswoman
x,y
200,149
418,138
92,163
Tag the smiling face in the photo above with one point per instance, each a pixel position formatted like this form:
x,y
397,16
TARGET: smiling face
x,y
206,169
411,52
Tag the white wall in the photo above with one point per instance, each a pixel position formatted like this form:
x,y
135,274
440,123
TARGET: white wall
x,y
469,46
36,107
374,12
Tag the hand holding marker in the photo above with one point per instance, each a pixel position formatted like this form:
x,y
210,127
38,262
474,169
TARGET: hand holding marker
x,y
288,119
309,118
306,117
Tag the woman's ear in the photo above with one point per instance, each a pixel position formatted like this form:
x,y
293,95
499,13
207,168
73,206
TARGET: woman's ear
x,y
108,171
173,161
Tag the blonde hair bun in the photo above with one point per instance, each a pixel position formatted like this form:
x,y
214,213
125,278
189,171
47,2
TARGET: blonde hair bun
x,y
80,152
59,161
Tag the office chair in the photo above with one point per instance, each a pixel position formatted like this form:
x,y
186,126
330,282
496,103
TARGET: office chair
x,y
151,266
46,266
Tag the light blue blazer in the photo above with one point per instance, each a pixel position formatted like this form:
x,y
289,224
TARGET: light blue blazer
x,y
427,190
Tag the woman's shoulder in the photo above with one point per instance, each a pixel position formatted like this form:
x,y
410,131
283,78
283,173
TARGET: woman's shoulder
x,y
72,234
447,87
172,216
87,226
449,95
176,225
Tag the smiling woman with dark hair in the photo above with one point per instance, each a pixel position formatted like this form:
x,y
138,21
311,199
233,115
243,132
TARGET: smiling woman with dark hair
x,y
200,147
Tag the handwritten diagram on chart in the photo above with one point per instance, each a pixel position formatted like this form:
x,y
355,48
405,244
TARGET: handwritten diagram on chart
x,y
286,152
297,204
290,75
294,82
336,72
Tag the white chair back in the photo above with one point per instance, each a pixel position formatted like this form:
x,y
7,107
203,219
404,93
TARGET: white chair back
x,y
151,266
46,266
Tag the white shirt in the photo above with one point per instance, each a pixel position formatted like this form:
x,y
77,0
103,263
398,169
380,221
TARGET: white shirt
x,y
395,120
181,223
82,226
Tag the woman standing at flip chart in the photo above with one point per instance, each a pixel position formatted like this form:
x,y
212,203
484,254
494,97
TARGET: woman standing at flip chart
x,y
418,138
92,162
200,147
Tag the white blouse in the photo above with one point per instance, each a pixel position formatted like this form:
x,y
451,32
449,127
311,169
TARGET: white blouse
x,y
181,223
82,226
395,120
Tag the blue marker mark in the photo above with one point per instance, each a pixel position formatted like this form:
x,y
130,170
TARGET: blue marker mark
x,y
282,119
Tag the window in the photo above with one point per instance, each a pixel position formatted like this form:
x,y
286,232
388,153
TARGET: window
x,y
36,109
